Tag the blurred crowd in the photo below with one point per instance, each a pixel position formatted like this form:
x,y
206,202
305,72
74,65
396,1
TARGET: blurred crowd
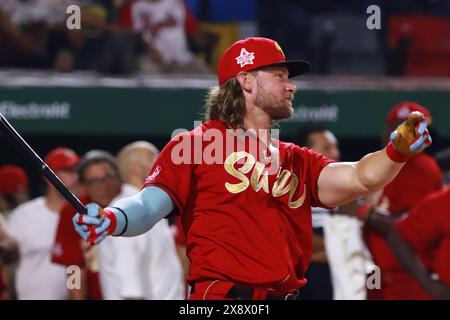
x,y
403,231
116,37
41,255
182,36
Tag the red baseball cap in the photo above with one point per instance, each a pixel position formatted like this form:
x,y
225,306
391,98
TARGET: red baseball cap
x,y
13,179
401,110
61,158
253,53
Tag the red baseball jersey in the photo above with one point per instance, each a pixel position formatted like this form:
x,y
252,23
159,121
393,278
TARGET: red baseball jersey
x,y
70,249
427,228
418,178
243,222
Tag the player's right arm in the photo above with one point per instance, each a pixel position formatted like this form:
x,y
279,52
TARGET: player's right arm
x,y
128,217
342,182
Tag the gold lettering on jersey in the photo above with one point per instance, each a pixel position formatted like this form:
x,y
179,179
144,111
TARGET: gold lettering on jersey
x,y
299,202
259,182
239,174
286,182
279,187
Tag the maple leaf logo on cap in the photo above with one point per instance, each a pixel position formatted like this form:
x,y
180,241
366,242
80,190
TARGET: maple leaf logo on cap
x,y
245,58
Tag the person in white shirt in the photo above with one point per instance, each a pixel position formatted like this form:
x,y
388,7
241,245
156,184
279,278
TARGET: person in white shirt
x,y
33,224
147,266
340,259
162,25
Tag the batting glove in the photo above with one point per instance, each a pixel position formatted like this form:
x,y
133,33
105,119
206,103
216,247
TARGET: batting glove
x,y
409,138
96,225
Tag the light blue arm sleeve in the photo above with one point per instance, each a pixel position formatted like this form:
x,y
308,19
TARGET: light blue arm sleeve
x,y
139,213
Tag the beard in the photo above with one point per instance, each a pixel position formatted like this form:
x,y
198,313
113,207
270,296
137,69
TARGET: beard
x,y
276,108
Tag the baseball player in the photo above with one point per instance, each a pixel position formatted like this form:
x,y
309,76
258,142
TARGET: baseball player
x,y
246,210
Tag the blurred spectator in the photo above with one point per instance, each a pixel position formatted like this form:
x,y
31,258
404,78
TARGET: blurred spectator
x,y
33,34
99,176
13,192
319,285
13,188
419,177
9,254
162,25
33,224
339,260
147,266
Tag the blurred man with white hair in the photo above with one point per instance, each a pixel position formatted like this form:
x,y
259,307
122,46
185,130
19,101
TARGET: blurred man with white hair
x,y
147,266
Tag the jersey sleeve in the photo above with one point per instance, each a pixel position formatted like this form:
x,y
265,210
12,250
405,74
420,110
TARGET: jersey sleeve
x,y
66,248
173,171
313,164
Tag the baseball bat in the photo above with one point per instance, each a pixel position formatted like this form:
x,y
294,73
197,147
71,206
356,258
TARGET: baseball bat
x,y
16,140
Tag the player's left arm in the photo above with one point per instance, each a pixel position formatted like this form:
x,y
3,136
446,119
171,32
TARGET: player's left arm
x,y
342,182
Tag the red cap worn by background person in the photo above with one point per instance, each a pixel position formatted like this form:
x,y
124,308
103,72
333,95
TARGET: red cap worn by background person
x,y
401,110
61,158
253,53
13,179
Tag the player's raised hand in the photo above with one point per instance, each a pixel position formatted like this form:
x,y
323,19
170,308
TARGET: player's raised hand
x,y
412,135
96,225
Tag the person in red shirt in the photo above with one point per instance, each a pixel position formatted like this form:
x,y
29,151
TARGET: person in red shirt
x,y
419,177
427,228
243,196
420,239
99,176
